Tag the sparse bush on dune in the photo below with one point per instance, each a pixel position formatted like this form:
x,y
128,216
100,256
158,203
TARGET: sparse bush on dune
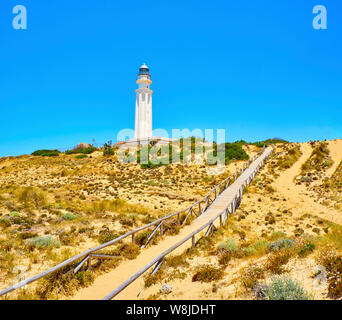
x,y
128,250
333,237
251,276
228,245
176,261
284,288
32,196
331,260
42,242
117,205
171,228
268,142
70,216
290,158
109,150
319,159
306,250
276,235
270,189
275,262
224,257
208,273
106,235
76,150
280,244
260,246
81,156
63,283
141,237
334,182
46,153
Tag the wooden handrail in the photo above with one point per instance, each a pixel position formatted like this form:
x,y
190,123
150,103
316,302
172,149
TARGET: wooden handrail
x,y
210,224
84,254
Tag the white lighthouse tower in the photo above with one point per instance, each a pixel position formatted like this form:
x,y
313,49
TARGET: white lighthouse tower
x,y
143,112
143,105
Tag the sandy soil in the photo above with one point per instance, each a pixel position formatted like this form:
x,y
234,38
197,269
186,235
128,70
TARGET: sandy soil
x,y
106,283
298,201
299,197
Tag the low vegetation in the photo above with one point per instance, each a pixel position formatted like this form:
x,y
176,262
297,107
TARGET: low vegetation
x,y
290,158
319,159
76,150
46,153
284,288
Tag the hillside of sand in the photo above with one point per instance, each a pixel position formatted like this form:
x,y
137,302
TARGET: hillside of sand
x,y
288,223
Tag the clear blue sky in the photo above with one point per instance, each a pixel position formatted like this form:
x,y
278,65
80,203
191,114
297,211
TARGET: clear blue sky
x,y
256,68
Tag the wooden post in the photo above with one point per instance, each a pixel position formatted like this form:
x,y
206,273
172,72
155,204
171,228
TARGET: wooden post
x,y
221,220
161,228
133,237
178,218
199,206
193,240
89,263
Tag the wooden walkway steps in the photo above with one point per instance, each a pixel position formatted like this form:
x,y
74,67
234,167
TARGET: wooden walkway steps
x,y
126,278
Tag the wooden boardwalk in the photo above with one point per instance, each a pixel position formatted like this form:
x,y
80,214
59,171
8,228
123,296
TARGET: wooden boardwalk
x,y
104,284
228,195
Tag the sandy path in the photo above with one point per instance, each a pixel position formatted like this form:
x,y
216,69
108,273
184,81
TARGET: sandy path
x,y
104,284
297,195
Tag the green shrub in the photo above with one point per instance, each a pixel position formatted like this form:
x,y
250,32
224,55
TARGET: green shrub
x,y
229,245
232,151
306,250
280,244
150,165
285,288
42,242
267,142
69,216
81,156
88,150
109,152
249,251
46,153
14,214
260,246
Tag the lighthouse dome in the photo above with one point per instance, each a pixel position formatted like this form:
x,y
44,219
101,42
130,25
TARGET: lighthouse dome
x,y
144,70
144,66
